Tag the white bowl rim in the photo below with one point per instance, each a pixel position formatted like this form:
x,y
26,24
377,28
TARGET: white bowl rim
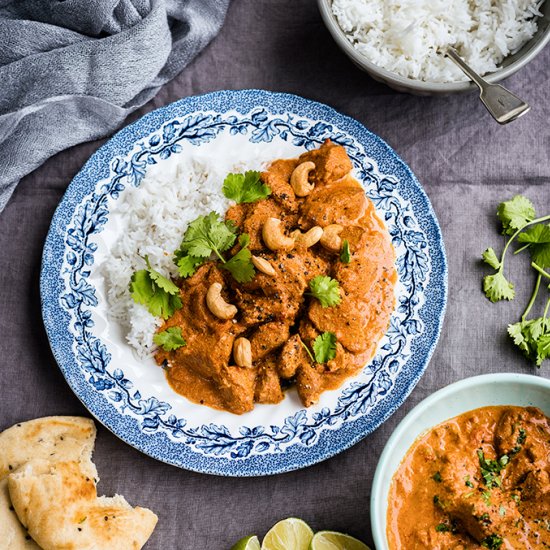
x,y
423,86
378,499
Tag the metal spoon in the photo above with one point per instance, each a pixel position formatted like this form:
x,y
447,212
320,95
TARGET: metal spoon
x,y
503,105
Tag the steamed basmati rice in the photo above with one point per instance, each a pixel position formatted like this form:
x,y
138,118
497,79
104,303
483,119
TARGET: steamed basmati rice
x,y
407,36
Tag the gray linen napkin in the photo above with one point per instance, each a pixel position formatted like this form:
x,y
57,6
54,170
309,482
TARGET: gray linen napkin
x,y
71,70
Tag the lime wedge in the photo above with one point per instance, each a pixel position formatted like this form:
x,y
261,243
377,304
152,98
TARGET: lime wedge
x,y
331,540
247,543
291,533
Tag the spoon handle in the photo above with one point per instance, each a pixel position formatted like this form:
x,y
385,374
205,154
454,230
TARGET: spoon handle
x,y
503,105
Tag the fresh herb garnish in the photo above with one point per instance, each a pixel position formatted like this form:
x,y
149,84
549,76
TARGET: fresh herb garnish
x,y
169,339
490,469
209,235
467,482
245,187
156,292
486,496
345,254
326,290
517,215
493,542
442,528
240,265
205,236
324,347
437,477
520,440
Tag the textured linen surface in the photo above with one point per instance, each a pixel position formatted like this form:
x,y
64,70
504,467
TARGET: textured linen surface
x,y
71,71
466,162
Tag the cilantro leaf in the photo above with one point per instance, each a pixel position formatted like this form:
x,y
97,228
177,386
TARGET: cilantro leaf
x,y
240,265
187,265
324,347
533,338
345,255
538,237
515,214
207,235
245,187
169,339
326,290
156,292
497,287
490,257
493,542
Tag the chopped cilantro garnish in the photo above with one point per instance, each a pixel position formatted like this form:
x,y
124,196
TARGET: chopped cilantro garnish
x,y
326,290
345,254
169,339
437,477
490,469
156,292
493,542
468,483
246,187
442,528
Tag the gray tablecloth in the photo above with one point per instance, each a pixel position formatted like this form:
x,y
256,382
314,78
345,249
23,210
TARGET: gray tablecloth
x,y
467,164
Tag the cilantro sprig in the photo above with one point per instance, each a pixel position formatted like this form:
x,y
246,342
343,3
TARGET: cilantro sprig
x,y
246,187
207,236
156,292
326,290
324,348
491,468
169,339
519,222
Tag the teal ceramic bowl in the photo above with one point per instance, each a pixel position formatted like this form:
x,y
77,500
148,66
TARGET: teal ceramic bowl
x,y
471,393
509,66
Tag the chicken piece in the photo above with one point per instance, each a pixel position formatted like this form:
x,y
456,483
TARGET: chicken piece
x,y
268,384
293,356
236,386
279,297
348,321
347,200
209,339
267,338
309,383
257,214
331,161
277,177
237,214
523,435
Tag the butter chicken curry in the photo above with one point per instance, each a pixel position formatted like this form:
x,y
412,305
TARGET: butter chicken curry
x,y
480,480
246,342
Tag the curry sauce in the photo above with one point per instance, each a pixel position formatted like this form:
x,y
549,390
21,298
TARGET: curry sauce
x,y
275,311
480,480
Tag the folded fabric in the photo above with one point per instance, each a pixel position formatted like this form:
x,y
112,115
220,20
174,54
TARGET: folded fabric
x,y
72,70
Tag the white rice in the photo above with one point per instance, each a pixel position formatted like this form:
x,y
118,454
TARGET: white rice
x,y
151,220
407,36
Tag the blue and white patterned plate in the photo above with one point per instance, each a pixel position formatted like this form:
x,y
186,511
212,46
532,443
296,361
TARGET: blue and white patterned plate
x,y
131,397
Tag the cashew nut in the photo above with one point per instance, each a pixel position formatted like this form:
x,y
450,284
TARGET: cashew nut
x,y
331,239
261,264
299,179
273,235
242,352
217,305
309,238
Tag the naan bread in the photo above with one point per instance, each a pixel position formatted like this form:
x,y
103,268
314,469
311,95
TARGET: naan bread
x,y
58,504
50,438
12,534
53,438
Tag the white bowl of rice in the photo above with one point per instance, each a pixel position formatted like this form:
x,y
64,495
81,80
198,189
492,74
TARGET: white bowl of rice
x,y
399,42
